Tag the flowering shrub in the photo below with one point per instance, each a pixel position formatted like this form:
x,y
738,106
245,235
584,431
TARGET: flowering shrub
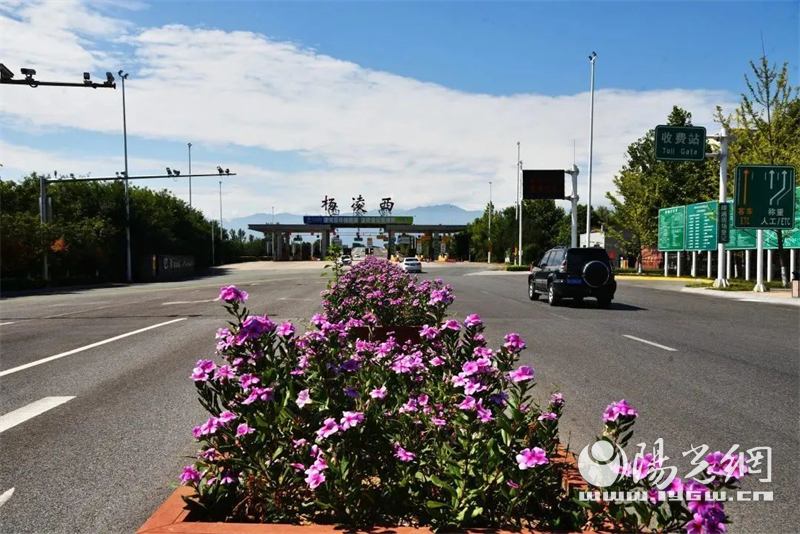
x,y
672,504
380,293
322,428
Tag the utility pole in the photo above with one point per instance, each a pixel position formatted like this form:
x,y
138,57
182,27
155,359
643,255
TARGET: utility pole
x,y
573,240
128,273
592,58
43,214
190,175
723,137
519,196
220,211
213,261
491,209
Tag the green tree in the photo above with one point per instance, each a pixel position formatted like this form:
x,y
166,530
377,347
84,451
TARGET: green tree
x,y
644,185
766,127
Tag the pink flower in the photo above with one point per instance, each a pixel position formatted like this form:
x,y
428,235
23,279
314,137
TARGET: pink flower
x,y
198,375
422,400
328,428
247,380
297,443
226,417
231,294
557,399
469,368
438,422
522,374
473,320
379,393
314,478
303,398
285,330
619,409
484,414
351,419
514,343
264,394
190,475
197,432
512,484
531,458
726,465
402,454
451,324
436,361
243,429
428,332
482,352
224,372
473,386
548,417
209,427
298,466
468,403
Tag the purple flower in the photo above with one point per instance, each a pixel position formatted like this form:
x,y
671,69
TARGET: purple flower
x,y
548,417
243,429
297,443
531,458
247,380
226,417
350,365
557,399
436,361
473,320
514,343
352,393
379,393
468,403
726,465
208,454
522,374
428,332
438,422
499,398
370,318
469,368
231,294
484,414
264,394
328,428
190,475
451,324
285,330
303,398
351,419
224,372
402,454
619,409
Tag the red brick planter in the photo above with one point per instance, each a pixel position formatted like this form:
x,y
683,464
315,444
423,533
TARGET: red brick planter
x,y
401,334
172,517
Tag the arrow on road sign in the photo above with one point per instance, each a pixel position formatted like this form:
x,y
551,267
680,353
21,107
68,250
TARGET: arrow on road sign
x,y
746,172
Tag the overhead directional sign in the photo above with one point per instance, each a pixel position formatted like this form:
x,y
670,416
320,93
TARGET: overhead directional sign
x,y
672,229
702,226
680,143
764,197
537,184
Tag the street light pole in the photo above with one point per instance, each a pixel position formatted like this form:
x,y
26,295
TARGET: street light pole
x,y
128,274
489,257
520,195
220,211
190,175
592,58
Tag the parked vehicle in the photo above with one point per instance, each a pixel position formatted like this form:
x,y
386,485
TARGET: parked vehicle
x,y
345,260
411,265
573,273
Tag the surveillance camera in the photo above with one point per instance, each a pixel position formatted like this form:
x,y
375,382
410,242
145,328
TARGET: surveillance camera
x,y
176,172
86,76
169,172
109,77
28,72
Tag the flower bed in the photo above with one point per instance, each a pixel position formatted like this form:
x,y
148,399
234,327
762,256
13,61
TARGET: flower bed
x,y
320,428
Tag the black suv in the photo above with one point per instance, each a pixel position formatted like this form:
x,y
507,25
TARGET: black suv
x,y
573,273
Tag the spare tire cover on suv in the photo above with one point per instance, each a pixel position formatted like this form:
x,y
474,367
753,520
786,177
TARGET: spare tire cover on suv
x,y
595,273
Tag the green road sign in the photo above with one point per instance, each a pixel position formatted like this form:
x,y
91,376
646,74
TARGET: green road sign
x,y
740,239
745,239
763,197
702,226
672,228
680,143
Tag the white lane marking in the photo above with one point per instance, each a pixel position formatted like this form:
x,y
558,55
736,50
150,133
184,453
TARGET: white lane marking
x,y
187,302
12,419
293,298
5,496
10,322
86,347
650,343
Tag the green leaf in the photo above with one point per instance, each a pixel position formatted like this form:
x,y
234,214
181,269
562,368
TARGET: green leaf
x,y
436,504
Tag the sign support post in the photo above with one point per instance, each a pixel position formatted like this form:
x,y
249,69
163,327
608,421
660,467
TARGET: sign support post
x,y
574,200
760,288
666,263
747,265
723,137
694,264
519,206
679,253
708,274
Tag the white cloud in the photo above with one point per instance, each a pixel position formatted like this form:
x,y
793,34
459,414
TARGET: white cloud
x,y
375,133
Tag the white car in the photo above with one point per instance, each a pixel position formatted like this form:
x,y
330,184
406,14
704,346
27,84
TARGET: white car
x,y
411,265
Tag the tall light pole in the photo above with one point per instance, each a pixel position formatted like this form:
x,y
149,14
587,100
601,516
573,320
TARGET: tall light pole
x,y
520,199
592,58
190,175
220,211
489,257
128,275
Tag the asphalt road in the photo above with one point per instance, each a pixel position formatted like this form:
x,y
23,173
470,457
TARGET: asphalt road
x,y
116,418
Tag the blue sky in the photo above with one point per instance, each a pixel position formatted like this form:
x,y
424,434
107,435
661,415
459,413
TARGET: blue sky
x,y
421,101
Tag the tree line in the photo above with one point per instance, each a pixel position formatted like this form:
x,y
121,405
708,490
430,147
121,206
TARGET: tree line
x,y
85,237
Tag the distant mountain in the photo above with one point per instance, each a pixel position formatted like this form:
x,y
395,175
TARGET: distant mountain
x,y
436,214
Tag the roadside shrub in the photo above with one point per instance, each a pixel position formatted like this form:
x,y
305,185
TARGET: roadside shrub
x,y
381,293
321,428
